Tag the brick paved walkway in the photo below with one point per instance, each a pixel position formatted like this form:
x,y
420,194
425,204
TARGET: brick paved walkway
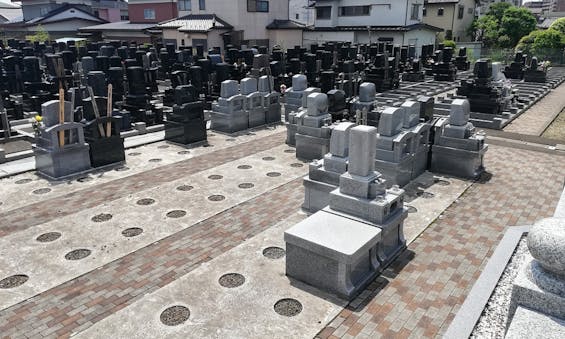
x,y
536,119
419,295
43,211
81,302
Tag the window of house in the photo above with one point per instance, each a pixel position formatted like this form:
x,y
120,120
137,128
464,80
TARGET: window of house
x,y
148,13
470,10
202,4
415,13
43,10
424,11
124,17
323,12
297,16
354,10
258,6
440,11
460,12
184,5
182,42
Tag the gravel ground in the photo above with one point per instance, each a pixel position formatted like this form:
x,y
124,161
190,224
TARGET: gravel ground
x,y
492,323
557,128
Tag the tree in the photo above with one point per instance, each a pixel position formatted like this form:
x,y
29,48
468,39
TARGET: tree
x,y
497,10
41,35
449,43
558,25
516,23
541,43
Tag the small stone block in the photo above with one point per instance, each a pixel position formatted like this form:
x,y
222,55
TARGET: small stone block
x,y
460,112
339,141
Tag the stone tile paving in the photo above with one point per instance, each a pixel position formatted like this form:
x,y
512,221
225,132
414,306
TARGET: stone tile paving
x,y
77,304
536,119
420,293
49,209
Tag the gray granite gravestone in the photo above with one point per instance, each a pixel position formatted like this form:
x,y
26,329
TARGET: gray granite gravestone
x,y
53,160
458,150
314,129
366,101
294,94
253,102
228,113
294,117
323,175
270,99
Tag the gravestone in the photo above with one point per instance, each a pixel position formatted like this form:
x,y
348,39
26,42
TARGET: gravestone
x,y
253,102
185,124
228,112
294,95
534,73
270,99
314,129
53,160
458,150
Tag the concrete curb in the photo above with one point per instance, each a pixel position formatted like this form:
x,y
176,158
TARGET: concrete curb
x,y
468,315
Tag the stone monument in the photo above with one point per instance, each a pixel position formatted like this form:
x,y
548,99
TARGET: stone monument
x,y
228,113
314,129
185,123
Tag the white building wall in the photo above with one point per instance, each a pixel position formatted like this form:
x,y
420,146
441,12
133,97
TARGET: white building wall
x,y
285,38
299,12
319,37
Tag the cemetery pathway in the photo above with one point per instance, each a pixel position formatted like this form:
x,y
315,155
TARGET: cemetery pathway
x,y
536,119
420,293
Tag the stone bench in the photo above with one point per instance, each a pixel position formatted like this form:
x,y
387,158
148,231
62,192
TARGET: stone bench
x,y
333,253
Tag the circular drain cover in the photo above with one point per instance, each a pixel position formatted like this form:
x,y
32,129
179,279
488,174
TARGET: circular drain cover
x,y
101,217
288,307
274,252
23,181
289,151
133,154
230,139
176,214
13,281
442,182
231,280
273,174
411,209
145,201
163,146
42,190
427,195
175,315
132,232
296,164
183,152
207,145
268,158
215,177
81,253
121,169
84,179
216,197
184,188
155,160
48,237
244,166
245,185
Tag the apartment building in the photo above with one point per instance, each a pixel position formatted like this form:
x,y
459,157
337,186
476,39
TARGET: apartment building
x,y
454,17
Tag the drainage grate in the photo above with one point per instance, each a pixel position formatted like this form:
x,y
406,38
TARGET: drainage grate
x,y
176,214
175,315
155,160
134,154
215,177
145,201
13,281
132,232
121,169
84,179
231,280
288,307
427,195
274,252
101,217
183,152
163,146
230,139
289,151
411,209
216,197
184,188
442,182
23,181
296,164
81,253
245,185
268,158
48,237
244,166
273,174
42,191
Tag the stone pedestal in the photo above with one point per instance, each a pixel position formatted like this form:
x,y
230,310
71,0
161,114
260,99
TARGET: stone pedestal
x,y
185,124
458,150
294,95
228,113
270,100
253,102
107,149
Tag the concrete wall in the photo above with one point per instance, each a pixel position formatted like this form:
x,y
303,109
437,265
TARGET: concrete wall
x,y
450,19
383,13
286,38
299,13
317,37
110,14
235,13
214,37
163,11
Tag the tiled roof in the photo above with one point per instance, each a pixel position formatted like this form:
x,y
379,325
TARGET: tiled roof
x,y
196,23
285,24
380,28
118,26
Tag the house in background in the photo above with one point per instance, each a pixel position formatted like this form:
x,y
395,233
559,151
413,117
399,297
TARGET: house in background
x,y
10,12
108,10
302,11
196,29
366,21
454,17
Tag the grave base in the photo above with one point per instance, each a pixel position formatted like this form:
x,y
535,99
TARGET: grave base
x,y
458,162
106,151
58,165
185,132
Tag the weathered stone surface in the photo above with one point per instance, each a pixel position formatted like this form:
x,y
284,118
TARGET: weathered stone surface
x,y
546,242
